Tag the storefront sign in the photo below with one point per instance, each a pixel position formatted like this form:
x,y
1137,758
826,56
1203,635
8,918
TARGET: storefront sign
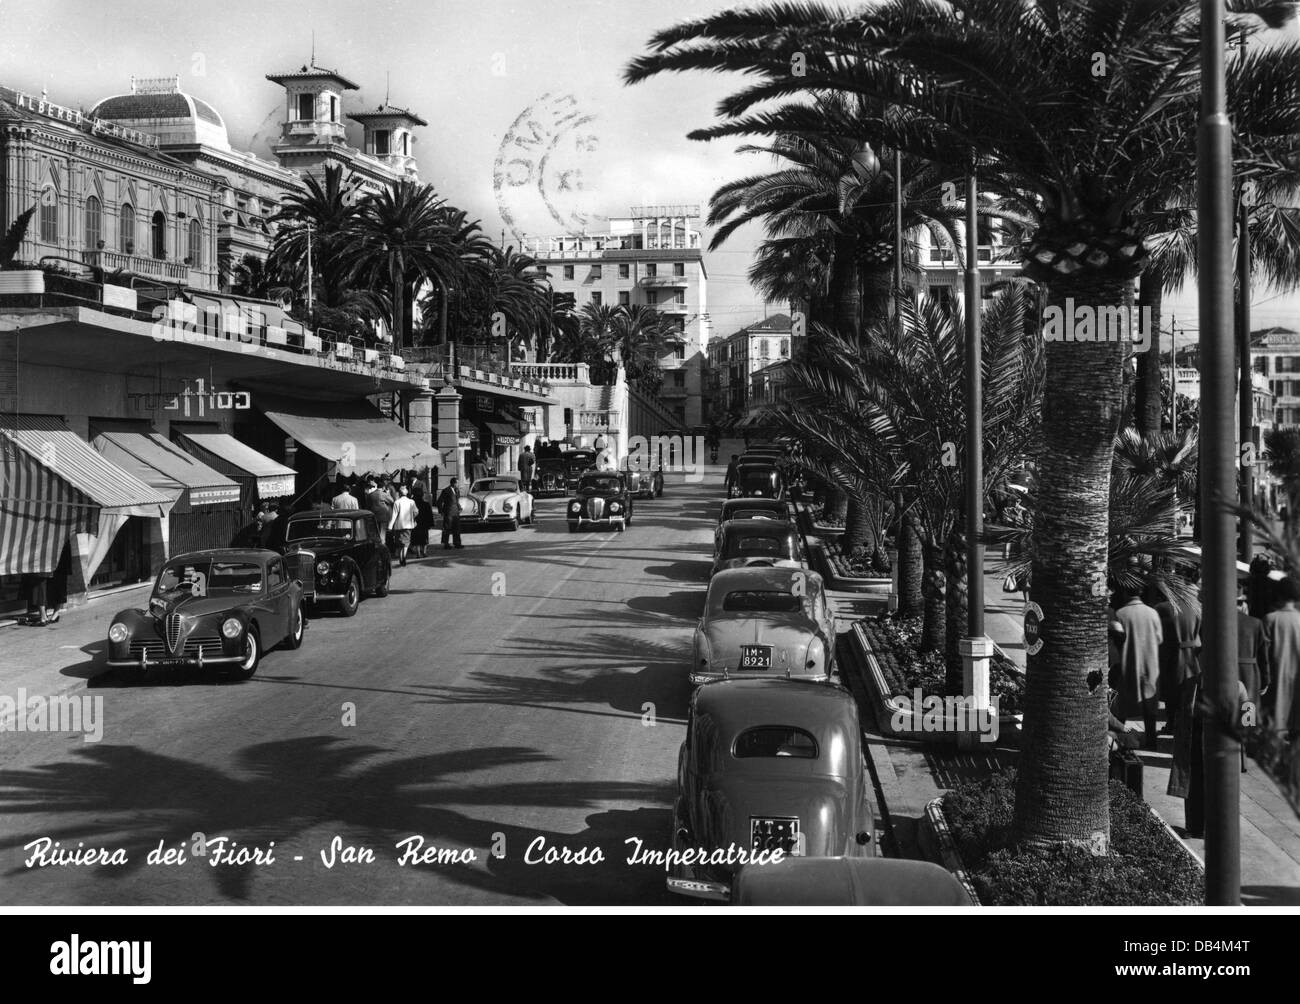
x,y
97,126
486,403
197,400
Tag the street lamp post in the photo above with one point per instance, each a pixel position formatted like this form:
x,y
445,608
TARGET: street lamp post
x,y
1218,467
1245,390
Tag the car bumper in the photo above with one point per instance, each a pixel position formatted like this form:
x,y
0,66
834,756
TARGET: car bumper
x,y
716,892
179,662
698,678
496,517
603,521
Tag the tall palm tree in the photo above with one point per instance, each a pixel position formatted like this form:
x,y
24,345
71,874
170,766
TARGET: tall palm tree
x,y
987,81
319,215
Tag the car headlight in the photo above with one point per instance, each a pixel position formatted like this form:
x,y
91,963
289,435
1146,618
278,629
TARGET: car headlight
x,y
232,627
507,506
322,568
118,633
576,507
615,506
815,655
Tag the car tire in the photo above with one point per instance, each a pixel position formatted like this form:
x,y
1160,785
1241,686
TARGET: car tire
x,y
381,586
299,628
514,523
252,655
351,597
573,526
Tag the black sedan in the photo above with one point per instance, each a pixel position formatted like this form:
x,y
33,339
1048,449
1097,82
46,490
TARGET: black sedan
x,y
340,556
602,499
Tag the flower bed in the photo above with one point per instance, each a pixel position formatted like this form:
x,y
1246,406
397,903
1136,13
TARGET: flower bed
x,y
895,642
1147,865
858,566
817,513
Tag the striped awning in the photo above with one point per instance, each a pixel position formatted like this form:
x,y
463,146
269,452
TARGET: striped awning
x,y
353,434
228,455
52,485
158,462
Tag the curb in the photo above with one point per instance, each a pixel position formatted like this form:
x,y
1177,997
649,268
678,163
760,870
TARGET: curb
x,y
937,843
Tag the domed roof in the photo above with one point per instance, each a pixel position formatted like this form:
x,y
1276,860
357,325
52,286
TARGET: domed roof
x,y
173,116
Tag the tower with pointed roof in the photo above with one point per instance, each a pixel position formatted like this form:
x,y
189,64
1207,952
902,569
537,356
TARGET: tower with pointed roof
x,y
389,137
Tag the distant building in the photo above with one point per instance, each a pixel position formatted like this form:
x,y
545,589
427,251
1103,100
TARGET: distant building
x,y
734,359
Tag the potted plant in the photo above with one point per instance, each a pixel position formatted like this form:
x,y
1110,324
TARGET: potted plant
x,y
130,247
99,245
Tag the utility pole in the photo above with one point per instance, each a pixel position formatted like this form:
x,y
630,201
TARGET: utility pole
x,y
1173,373
309,273
898,236
1218,466
1245,390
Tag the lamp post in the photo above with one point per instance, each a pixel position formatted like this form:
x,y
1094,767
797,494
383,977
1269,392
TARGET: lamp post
x,y
1245,390
1218,467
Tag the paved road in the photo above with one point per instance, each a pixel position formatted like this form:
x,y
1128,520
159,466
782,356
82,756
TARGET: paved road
x,y
518,718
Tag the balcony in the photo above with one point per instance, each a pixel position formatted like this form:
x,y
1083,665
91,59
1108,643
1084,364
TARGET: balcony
x,y
598,421
553,372
112,261
671,307
477,365
653,281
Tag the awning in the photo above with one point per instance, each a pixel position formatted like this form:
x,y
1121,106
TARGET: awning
x,y
231,457
354,435
52,485
504,435
468,428
167,467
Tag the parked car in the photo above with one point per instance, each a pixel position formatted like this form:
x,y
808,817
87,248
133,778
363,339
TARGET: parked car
x,y
576,464
758,479
340,556
764,622
602,498
759,508
220,608
767,765
848,882
496,501
756,543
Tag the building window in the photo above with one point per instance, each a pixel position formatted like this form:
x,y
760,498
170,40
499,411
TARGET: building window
x,y
406,144
49,216
624,298
624,271
679,378
679,351
381,142
651,270
306,107
196,244
334,108
568,271
158,234
596,299
785,348
596,272
679,268
679,296
94,222
652,297
126,229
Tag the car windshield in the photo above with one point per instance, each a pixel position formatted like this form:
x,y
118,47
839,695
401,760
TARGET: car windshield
x,y
579,461
775,740
303,529
775,601
206,578
744,546
599,484
495,485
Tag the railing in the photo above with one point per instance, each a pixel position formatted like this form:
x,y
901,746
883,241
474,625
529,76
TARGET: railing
x,y
113,260
665,280
608,420
477,363
553,372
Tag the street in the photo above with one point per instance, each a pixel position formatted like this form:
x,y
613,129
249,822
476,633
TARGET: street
x,y
523,696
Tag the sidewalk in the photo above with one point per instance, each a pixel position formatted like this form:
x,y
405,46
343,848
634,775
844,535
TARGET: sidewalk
x,y
909,775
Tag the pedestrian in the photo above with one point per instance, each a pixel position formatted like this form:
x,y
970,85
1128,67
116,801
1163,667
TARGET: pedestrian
x,y
1252,651
1139,662
343,499
1282,628
377,502
729,479
35,588
423,523
267,535
527,463
402,523
449,510
1181,628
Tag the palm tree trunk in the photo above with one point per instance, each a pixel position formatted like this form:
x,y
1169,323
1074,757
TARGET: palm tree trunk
x,y
877,295
933,628
836,506
846,291
1148,407
955,604
859,533
398,294
1062,792
911,567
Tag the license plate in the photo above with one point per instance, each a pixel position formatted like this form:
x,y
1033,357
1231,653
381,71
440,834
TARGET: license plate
x,y
767,833
169,663
755,656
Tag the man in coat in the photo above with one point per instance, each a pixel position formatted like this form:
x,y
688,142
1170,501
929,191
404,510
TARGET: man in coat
x,y
527,463
1252,651
1283,630
449,510
1140,640
1181,627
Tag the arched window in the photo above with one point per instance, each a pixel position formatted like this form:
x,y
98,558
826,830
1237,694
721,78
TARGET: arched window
x,y
158,231
50,216
196,244
126,229
94,222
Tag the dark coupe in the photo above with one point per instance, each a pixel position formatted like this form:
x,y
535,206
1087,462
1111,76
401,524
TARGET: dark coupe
x,y
220,608
602,498
339,555
759,478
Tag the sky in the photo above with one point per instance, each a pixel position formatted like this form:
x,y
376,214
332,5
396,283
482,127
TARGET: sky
x,y
470,68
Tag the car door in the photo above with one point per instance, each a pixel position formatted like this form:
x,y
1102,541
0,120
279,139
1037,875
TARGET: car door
x,y
277,603
365,547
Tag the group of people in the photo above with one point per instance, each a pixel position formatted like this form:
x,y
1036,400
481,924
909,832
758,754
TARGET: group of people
x,y
1155,648
402,508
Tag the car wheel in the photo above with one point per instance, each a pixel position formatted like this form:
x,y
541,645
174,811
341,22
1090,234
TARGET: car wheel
x,y
252,655
514,524
573,526
381,587
297,629
351,597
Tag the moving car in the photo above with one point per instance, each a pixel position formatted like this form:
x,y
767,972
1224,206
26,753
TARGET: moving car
x,y
644,483
759,508
848,882
496,501
602,498
339,555
758,479
576,464
767,622
767,765
221,608
756,543
549,477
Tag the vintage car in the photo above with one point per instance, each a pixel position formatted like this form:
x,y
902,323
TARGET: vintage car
x,y
753,509
220,608
549,476
576,464
848,882
339,555
756,543
603,499
496,501
766,622
643,481
767,766
758,479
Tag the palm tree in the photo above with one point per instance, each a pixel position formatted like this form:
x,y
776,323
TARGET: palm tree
x,y
13,238
989,82
320,216
640,340
1282,447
